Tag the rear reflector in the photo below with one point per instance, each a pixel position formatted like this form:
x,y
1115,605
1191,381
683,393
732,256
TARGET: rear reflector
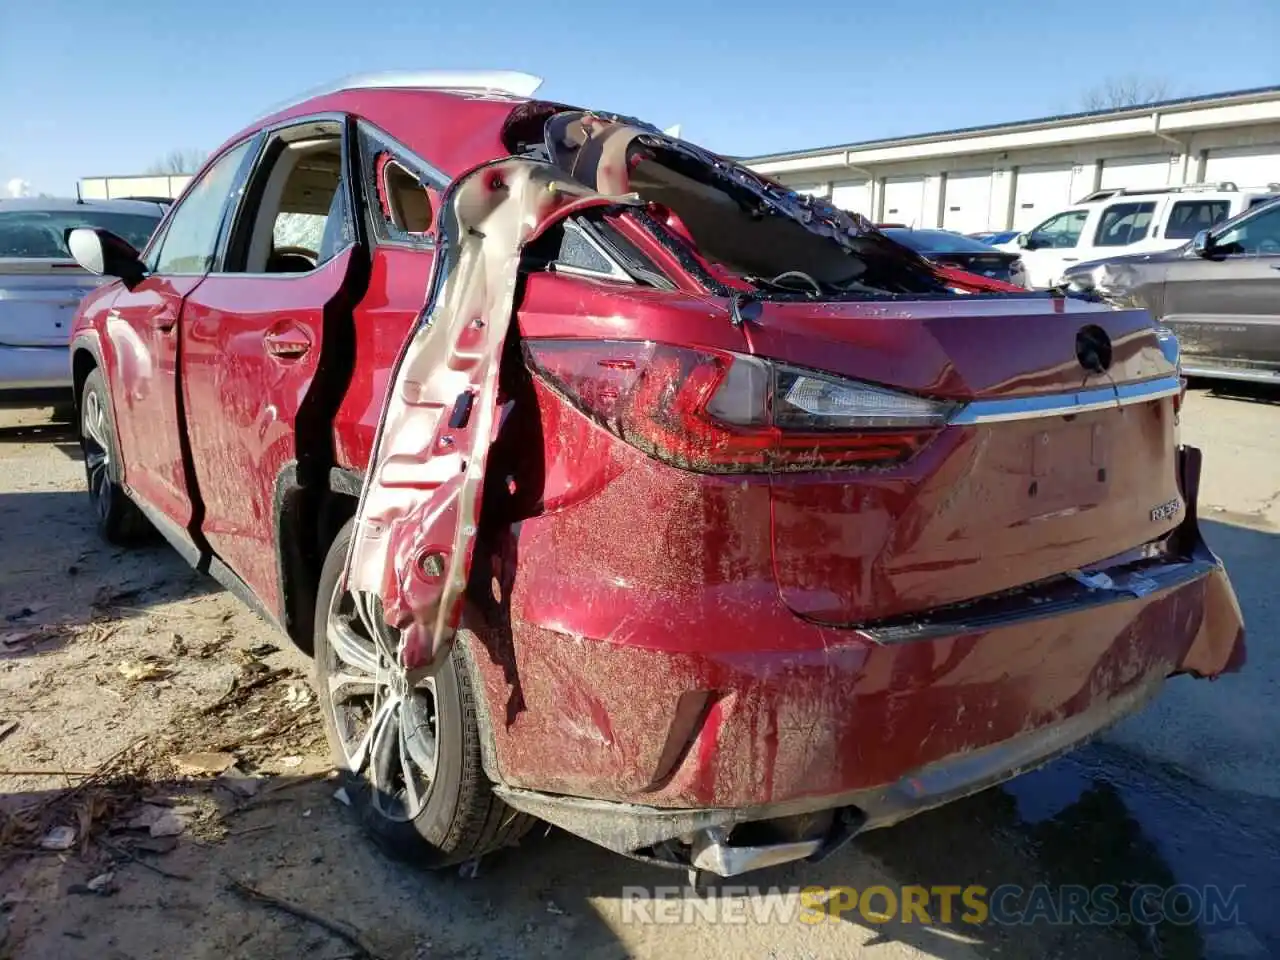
x,y
720,412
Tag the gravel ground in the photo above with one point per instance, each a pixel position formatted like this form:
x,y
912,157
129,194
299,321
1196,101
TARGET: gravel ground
x,y
131,662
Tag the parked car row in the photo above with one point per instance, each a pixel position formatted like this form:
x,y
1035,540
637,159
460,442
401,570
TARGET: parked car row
x,y
614,485
41,286
1111,222
1219,292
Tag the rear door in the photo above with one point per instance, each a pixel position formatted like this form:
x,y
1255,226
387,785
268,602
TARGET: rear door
x,y
1121,227
1183,219
263,364
142,330
1226,309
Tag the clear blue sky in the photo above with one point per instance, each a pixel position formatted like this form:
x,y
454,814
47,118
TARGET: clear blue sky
x,y
109,86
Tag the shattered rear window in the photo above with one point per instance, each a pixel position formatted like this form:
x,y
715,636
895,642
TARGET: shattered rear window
x,y
783,244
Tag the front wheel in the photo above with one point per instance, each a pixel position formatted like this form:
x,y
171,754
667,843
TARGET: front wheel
x,y
119,520
410,754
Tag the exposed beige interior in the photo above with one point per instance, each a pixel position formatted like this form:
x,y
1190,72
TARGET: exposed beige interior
x,y
408,201
296,205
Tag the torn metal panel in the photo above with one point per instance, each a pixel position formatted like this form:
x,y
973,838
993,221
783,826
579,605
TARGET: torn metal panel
x,y
418,512
605,151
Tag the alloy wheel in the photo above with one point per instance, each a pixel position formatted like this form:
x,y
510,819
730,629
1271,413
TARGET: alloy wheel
x,y
386,725
97,451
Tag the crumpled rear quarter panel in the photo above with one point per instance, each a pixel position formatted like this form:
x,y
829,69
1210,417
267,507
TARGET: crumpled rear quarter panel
x,y
651,593
418,512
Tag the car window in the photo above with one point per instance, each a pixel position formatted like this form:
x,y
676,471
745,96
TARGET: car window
x,y
304,230
191,234
1259,201
38,234
1255,236
400,198
295,217
1060,231
1123,224
1189,217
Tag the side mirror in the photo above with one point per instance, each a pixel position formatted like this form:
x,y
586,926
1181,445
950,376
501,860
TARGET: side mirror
x,y
1202,244
103,253
1023,240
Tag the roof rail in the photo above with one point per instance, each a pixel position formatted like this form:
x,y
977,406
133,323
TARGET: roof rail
x,y
510,82
1226,186
161,200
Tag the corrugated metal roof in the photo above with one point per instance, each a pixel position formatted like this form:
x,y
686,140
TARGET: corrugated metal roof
x,y
1214,99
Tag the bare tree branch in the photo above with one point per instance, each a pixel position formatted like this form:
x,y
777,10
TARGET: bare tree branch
x,y
1115,93
178,161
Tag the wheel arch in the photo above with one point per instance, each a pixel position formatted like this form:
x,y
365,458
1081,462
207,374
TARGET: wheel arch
x,y
307,520
84,360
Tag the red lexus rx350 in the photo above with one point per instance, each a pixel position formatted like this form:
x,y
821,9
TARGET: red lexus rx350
x,y
614,485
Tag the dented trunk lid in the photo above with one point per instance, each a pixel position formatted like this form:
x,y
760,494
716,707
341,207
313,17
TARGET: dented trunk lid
x,y
1044,468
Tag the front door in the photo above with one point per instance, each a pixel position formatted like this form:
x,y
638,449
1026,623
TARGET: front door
x,y
142,328
1226,308
257,346
1052,247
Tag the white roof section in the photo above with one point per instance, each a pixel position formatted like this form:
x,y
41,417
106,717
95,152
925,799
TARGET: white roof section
x,y
509,82
1169,120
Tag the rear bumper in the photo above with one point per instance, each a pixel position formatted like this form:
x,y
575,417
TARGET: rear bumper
x,y
630,828
46,369
725,708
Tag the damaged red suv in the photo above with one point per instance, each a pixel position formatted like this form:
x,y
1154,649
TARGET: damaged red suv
x,y
613,485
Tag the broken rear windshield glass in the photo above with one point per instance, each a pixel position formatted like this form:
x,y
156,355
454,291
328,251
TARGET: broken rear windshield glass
x,y
783,244
37,234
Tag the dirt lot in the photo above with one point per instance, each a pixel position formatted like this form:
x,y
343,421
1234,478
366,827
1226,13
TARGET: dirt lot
x,y
117,665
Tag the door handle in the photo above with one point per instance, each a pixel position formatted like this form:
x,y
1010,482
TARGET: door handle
x,y
165,321
287,342
1070,259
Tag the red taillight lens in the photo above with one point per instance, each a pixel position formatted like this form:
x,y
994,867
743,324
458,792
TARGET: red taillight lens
x,y
719,412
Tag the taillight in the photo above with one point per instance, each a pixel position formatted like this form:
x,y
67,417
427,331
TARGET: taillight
x,y
720,412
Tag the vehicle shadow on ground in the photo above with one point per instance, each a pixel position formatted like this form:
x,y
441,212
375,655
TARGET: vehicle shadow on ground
x,y
57,575
59,433
1223,732
1238,390
553,894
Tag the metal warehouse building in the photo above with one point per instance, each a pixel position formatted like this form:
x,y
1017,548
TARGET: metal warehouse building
x,y
1014,175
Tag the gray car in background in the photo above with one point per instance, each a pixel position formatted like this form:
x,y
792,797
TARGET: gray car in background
x,y
41,286
1219,293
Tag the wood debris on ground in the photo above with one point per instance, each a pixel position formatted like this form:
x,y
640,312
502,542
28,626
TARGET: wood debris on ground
x,y
124,796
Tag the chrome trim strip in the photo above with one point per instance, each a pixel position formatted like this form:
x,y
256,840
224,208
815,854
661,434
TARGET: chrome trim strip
x,y
1065,404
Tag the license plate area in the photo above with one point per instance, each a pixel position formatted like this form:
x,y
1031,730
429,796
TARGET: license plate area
x,y
1068,464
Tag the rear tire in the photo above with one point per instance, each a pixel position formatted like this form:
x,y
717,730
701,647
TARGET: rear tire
x,y
119,520
427,800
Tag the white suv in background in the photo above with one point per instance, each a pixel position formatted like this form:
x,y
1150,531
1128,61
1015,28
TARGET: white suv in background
x,y
1108,222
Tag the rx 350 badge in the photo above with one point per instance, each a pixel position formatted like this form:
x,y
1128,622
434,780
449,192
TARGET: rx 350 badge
x,y
1166,510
